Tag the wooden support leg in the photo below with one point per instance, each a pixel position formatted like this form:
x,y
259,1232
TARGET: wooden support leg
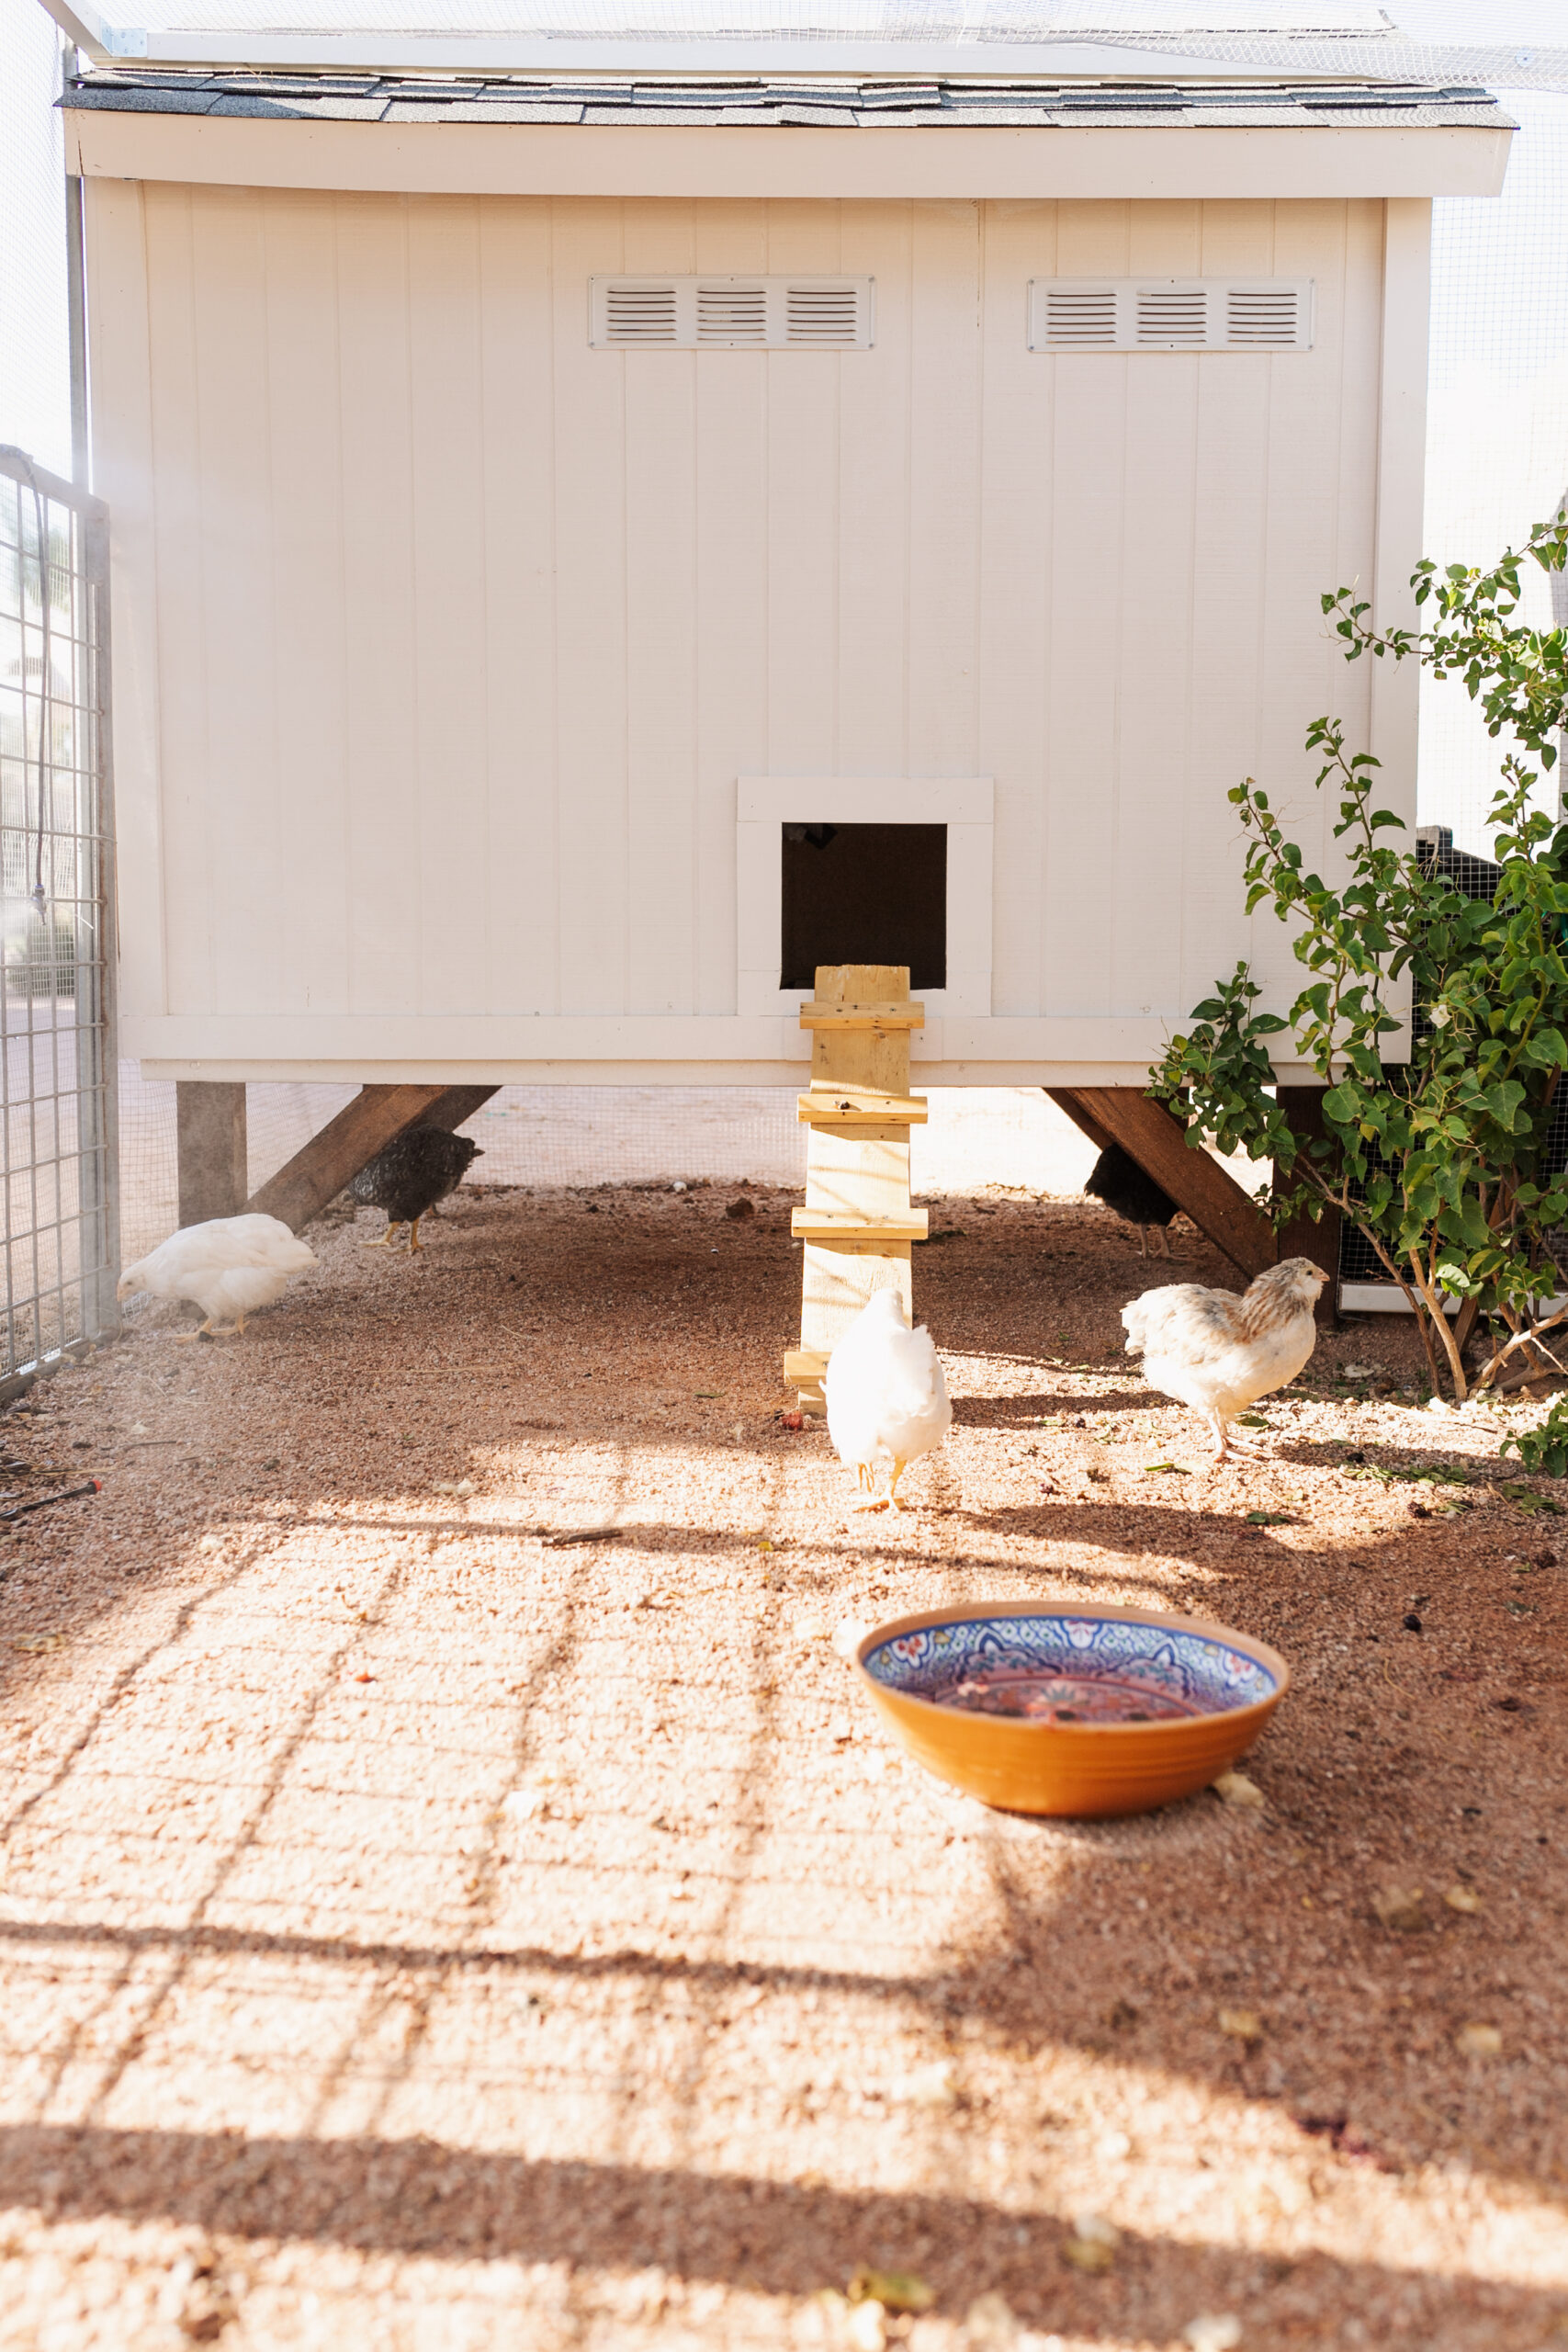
x,y
454,1107
1065,1099
365,1126
1301,1237
209,1127
1209,1193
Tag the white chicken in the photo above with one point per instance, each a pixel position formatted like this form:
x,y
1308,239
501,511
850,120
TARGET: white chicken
x,y
230,1266
1219,1353
887,1401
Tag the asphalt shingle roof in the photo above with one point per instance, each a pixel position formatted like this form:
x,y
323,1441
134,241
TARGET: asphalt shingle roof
x,y
731,100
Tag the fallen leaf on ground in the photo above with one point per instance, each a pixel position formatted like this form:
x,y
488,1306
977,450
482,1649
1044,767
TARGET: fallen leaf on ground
x,y
1235,1787
1152,1469
896,2290
1242,2024
1462,1899
33,1643
1213,2332
1399,1908
927,2085
1093,2244
1252,1421
1527,1499
1268,1519
455,1487
1479,2041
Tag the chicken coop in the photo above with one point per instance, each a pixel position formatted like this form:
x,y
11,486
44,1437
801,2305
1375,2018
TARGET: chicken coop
x,y
591,549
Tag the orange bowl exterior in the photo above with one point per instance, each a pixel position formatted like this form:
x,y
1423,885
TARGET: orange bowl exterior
x,y
1086,1770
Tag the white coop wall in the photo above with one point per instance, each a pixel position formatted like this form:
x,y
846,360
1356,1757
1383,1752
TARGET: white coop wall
x,y
444,638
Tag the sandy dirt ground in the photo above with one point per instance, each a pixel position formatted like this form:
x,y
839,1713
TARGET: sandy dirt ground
x,y
454,1894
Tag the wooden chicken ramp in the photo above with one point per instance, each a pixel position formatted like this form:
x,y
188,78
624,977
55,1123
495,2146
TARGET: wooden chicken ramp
x,y
857,1224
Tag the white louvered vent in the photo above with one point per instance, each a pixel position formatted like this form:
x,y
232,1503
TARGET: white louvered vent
x,y
639,314
1078,318
732,314
722,313
1171,318
1170,314
823,315
1263,316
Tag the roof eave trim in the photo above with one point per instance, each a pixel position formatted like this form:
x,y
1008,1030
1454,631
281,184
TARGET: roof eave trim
x,y
965,162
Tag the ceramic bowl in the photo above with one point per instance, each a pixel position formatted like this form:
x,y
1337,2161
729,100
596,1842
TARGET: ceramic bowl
x,y
1069,1707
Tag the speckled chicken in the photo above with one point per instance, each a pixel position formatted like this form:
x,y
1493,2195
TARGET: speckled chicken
x,y
416,1170
887,1401
1118,1180
1219,1353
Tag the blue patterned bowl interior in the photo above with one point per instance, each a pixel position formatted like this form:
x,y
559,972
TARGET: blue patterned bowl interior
x,y
1070,1669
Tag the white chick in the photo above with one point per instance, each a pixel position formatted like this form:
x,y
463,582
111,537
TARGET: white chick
x,y
230,1266
886,1398
1219,1353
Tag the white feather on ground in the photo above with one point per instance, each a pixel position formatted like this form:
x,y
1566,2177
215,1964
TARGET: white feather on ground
x,y
1219,1352
887,1401
230,1266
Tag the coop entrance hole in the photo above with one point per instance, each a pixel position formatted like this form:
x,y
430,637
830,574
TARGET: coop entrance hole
x,y
864,894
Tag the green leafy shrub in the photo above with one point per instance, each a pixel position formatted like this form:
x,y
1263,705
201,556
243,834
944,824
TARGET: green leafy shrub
x,y
1544,1449
1440,1162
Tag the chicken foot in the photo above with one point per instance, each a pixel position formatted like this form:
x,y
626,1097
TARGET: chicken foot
x,y
864,1486
384,1240
211,1330
1226,1443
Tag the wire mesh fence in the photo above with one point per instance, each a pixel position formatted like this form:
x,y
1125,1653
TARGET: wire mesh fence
x,y
543,1137
58,1099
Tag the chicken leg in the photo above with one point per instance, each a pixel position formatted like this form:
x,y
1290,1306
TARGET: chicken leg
x,y
384,1240
1226,1443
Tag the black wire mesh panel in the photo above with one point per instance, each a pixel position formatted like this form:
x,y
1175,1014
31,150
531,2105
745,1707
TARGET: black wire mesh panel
x,y
1477,878
57,1069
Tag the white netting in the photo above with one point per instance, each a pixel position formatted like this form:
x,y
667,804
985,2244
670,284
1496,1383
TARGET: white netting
x,y
545,1136
35,367
905,20
1497,420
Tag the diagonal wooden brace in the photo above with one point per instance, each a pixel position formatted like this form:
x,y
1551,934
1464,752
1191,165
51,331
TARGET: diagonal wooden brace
x,y
1196,1182
303,1186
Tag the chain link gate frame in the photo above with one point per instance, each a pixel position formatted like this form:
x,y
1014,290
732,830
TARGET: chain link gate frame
x,y
58,1055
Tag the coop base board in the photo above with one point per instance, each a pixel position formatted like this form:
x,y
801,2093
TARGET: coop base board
x,y
1387,1298
1380,1298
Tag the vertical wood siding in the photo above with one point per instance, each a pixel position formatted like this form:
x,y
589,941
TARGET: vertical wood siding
x,y
450,634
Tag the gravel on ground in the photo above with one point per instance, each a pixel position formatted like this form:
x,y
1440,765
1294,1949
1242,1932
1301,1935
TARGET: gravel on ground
x,y
454,1894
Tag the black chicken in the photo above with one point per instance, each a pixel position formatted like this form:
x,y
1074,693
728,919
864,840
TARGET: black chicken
x,y
1118,1180
408,1179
